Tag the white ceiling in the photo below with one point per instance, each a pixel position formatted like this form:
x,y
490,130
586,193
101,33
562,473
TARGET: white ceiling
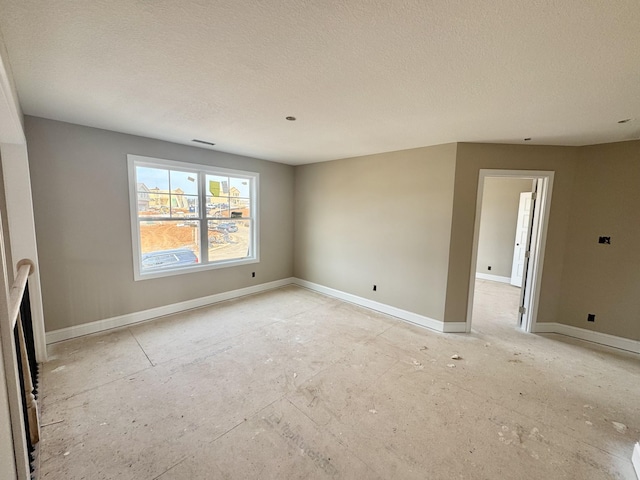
x,y
361,76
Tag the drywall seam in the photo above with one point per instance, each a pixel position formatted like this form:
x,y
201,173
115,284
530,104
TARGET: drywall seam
x,y
493,278
153,313
416,319
590,336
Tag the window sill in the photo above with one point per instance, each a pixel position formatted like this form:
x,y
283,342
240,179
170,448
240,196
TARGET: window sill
x,y
170,272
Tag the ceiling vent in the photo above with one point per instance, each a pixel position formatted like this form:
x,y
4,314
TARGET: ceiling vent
x,y
202,141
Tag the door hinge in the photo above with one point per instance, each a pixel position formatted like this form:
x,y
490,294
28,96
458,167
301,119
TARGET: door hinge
x,y
534,195
527,254
522,310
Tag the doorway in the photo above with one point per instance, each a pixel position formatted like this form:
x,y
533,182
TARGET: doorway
x,y
526,247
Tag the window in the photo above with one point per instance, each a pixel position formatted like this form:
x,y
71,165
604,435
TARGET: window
x,y
187,217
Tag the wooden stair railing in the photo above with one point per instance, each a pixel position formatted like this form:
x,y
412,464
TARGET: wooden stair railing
x,y
21,323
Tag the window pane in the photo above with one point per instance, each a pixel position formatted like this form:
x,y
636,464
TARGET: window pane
x,y
143,204
217,186
219,208
184,183
153,204
184,206
169,244
149,178
239,187
174,202
229,239
240,207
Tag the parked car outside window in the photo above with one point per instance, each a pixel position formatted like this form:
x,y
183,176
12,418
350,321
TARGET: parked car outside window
x,y
168,259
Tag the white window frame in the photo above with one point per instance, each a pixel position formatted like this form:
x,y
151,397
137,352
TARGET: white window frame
x,y
201,171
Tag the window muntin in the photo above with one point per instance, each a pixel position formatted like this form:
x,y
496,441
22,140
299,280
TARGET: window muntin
x,y
188,217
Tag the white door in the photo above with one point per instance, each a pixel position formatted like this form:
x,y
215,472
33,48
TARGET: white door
x,y
522,237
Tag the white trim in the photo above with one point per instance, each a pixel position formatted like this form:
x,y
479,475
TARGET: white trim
x,y
635,459
153,313
11,118
454,327
201,171
15,458
590,336
493,278
416,319
534,273
547,327
22,232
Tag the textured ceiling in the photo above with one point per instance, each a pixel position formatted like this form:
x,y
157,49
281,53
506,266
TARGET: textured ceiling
x,y
361,76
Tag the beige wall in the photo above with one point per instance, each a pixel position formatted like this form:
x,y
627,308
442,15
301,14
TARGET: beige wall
x,y
604,279
500,200
470,159
81,207
381,219
401,220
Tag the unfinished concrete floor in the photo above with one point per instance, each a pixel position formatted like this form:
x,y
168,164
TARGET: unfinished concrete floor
x,y
290,384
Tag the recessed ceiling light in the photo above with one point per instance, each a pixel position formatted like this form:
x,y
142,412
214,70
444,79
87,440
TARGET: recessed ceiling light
x,y
291,119
625,120
202,141
527,139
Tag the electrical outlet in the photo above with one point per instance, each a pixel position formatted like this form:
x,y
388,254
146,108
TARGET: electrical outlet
x,y
591,317
375,288
604,240
489,267
253,274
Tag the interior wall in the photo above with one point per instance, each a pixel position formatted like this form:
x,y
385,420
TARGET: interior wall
x,y
381,219
471,158
499,215
604,279
81,207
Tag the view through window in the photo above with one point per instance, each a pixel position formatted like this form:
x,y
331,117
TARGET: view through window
x,y
189,216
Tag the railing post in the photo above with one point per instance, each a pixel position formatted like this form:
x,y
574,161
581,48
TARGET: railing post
x,y
30,399
27,325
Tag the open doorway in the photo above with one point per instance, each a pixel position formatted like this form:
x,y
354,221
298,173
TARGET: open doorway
x,y
512,213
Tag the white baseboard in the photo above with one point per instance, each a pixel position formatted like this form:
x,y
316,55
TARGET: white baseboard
x,y
454,327
546,327
635,459
493,278
136,317
589,336
416,319
411,317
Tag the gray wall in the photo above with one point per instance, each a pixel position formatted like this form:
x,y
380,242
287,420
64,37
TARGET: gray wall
x,y
500,200
381,219
604,279
81,208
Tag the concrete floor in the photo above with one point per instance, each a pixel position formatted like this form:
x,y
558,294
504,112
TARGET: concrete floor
x,y
290,384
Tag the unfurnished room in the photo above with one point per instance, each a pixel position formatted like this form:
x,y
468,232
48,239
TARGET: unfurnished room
x,y
319,240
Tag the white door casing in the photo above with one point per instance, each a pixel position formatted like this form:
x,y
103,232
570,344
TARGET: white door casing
x,y
532,275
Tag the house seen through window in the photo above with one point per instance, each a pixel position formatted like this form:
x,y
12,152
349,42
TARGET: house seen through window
x,y
189,217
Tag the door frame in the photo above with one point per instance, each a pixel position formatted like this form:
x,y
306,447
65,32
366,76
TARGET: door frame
x,y
540,223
